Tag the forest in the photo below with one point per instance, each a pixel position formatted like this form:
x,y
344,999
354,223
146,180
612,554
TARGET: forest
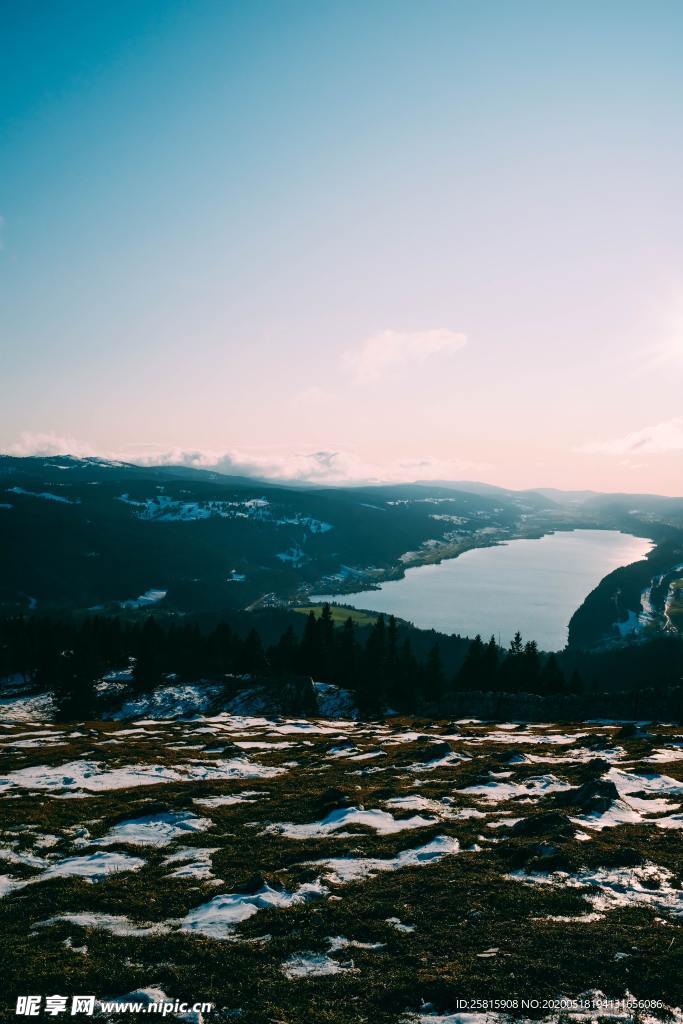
x,y
385,666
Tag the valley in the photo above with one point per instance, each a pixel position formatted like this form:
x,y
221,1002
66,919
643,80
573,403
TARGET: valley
x,y
88,535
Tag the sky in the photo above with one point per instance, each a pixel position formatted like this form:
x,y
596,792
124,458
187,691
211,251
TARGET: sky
x,y
335,240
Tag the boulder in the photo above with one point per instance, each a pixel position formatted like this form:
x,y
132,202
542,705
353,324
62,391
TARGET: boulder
x,y
592,797
431,751
550,823
334,799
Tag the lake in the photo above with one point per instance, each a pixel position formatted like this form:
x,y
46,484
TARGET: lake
x,y
533,586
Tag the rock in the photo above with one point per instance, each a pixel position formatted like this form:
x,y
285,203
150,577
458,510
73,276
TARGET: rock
x,y
626,857
595,796
631,731
333,799
253,884
597,742
543,856
229,749
431,752
597,766
545,850
542,824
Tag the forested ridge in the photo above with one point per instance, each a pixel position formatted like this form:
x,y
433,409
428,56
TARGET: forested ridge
x,y
384,665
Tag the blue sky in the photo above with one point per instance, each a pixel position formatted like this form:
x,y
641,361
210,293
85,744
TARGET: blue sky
x,y
433,239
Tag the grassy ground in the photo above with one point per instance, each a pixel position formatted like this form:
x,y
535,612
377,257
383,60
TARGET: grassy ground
x,y
460,908
340,614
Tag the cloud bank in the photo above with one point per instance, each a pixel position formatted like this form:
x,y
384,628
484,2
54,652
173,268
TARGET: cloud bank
x,y
666,436
389,349
325,467
49,444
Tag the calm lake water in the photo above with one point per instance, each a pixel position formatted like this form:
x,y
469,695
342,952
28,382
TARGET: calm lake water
x,y
533,586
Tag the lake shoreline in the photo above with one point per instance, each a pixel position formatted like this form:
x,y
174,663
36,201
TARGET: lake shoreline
x,y
458,595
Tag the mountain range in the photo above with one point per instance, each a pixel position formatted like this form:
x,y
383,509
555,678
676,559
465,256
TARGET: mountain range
x,y
94,534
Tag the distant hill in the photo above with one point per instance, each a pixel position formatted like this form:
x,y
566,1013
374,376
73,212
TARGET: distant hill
x,y
84,533
88,533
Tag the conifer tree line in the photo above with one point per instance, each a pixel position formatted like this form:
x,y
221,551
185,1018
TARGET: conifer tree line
x,y
68,657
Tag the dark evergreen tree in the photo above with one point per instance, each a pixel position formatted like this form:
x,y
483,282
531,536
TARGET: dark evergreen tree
x,y
576,683
530,668
404,684
471,672
251,659
283,656
310,648
149,666
433,679
489,676
373,684
511,673
347,656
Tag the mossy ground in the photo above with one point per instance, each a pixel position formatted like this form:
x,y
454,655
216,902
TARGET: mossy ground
x,y
460,907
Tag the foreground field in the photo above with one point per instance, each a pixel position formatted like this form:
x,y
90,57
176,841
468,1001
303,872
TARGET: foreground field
x,y
338,871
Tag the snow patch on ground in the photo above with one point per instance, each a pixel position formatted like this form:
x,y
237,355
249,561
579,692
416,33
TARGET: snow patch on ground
x,y
93,777
44,495
344,870
192,862
113,923
220,916
381,821
648,885
155,829
334,701
314,965
499,791
146,600
91,867
40,708
169,702
248,796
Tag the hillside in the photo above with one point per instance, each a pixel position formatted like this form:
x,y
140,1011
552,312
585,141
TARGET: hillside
x,y
79,533
91,534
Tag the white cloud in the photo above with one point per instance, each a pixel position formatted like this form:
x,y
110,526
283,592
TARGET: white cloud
x,y
666,436
334,467
666,350
314,395
326,467
389,349
668,353
49,444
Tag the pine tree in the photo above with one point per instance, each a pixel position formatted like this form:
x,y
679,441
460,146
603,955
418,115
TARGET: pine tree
x,y
252,660
283,656
551,679
404,685
469,677
576,682
489,680
326,639
347,656
310,647
148,671
373,668
433,679
511,674
530,667
75,672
